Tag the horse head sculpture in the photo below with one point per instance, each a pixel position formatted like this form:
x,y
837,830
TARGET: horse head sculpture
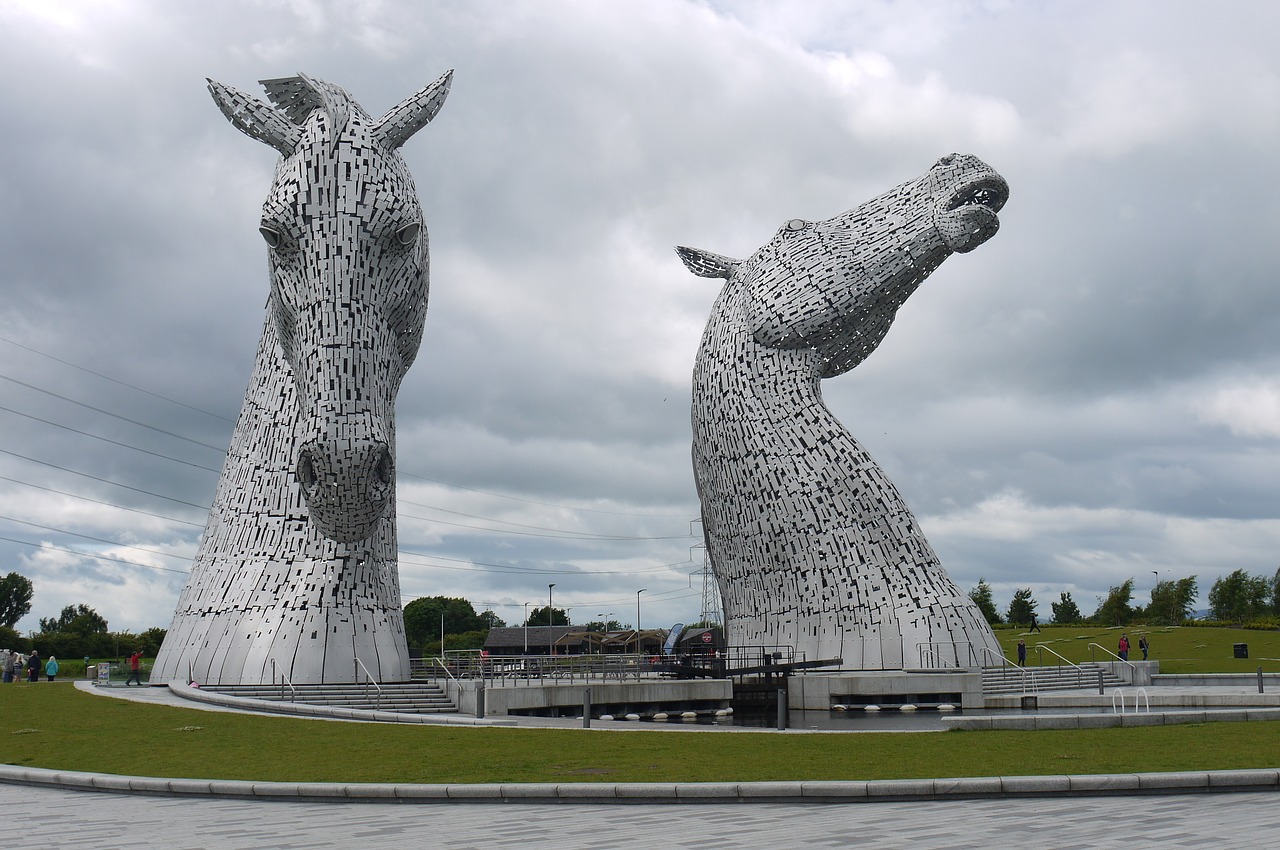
x,y
349,281
812,546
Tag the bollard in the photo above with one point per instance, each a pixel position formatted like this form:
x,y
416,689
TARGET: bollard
x,y
479,698
782,709
586,708
1259,679
1101,687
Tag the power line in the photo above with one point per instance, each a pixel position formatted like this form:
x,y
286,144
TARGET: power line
x,y
100,502
536,502
105,440
118,381
92,555
96,539
112,415
104,480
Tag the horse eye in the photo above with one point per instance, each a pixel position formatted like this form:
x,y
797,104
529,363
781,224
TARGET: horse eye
x,y
272,237
408,233
797,224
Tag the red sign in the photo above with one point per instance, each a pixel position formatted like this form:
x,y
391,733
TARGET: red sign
x,y
706,637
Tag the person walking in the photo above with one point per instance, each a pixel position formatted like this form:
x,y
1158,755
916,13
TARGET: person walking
x,y
10,659
1145,646
33,666
1124,647
1035,624
1022,653
51,667
135,668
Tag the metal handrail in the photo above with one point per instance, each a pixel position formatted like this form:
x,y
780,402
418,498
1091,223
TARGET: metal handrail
x,y
1041,648
284,679
368,680
1133,670
1119,692
929,655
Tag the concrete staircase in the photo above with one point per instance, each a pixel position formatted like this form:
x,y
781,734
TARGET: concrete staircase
x,y
401,697
1016,680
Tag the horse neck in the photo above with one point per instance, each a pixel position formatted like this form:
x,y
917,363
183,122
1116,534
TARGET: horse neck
x,y
736,379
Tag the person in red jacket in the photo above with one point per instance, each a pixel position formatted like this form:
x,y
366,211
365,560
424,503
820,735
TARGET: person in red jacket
x,y
135,668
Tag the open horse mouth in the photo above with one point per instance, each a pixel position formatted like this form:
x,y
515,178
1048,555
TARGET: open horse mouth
x,y
968,217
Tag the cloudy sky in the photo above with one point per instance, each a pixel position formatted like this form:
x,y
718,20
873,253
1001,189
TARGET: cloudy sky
x,y
1091,396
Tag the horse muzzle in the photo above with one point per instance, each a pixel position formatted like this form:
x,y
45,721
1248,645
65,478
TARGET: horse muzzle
x,y
347,485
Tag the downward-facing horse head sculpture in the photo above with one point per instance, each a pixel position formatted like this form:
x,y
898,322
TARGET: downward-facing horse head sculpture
x,y
296,572
811,544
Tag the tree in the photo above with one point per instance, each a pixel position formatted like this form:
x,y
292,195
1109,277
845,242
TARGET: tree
x,y
1172,601
1239,597
603,627
538,617
1065,611
1116,611
981,596
1022,608
15,599
492,620
423,617
76,619
1275,593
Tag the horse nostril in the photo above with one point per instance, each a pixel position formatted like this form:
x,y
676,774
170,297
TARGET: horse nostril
x,y
306,470
384,470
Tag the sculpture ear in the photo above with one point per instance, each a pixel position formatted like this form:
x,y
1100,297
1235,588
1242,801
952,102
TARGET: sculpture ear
x,y
413,113
256,119
706,264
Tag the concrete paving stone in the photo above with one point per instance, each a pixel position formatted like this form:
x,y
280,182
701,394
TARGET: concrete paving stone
x,y
422,792
1236,778
707,790
370,791
1055,783
646,790
149,785
1231,716
1058,721
1173,779
782,791
967,785
529,791
828,790
1094,782
189,786
231,788
1095,721
586,791
485,791
111,782
1132,719
1027,723
275,790
900,788
320,790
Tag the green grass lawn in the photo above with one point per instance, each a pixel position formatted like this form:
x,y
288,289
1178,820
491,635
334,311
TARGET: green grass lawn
x,y
57,726
1179,649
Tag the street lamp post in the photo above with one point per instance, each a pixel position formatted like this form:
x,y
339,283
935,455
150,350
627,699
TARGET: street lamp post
x,y
550,640
638,592
526,628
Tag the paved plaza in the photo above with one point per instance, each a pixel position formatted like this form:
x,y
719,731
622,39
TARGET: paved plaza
x,y
55,818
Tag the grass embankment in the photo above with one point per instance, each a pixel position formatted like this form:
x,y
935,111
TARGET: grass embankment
x,y
57,726
1179,649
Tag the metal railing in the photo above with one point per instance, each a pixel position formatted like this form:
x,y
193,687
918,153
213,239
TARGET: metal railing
x,y
931,654
519,670
1118,693
1132,672
1080,671
368,680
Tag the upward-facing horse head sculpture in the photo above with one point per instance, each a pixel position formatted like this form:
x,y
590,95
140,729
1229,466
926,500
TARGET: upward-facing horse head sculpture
x,y
297,564
811,544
